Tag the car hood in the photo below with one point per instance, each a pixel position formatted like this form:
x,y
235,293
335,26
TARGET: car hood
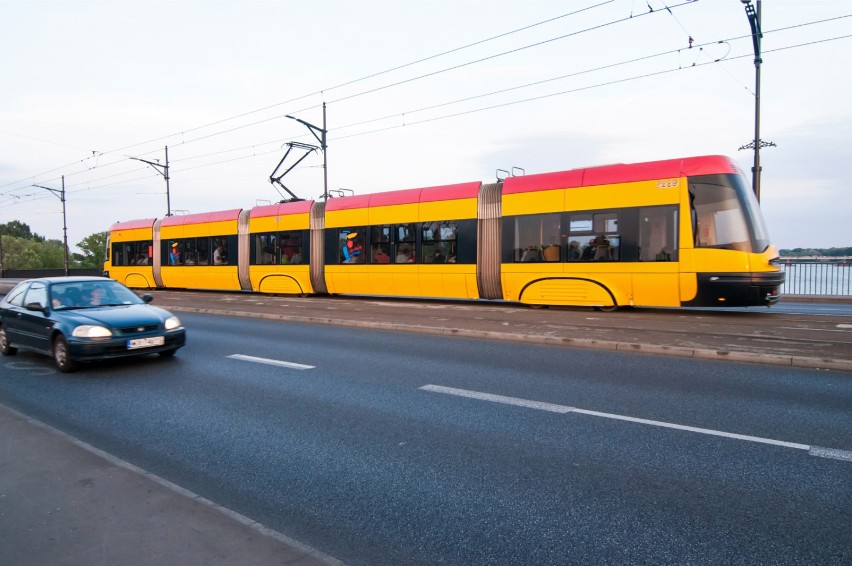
x,y
125,315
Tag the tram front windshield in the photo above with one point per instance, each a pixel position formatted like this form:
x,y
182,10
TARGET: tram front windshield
x,y
725,214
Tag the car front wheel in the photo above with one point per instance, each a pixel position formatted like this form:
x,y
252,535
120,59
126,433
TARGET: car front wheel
x,y
61,355
5,348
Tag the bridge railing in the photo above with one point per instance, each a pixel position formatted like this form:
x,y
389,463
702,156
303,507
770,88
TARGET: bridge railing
x,y
832,278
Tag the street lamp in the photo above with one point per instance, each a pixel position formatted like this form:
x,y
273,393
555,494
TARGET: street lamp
x,y
321,138
756,35
61,195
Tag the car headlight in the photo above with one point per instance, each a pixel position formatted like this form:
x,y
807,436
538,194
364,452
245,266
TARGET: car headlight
x,y
172,322
91,331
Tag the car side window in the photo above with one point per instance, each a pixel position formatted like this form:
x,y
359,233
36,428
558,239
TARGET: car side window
x,y
37,293
16,295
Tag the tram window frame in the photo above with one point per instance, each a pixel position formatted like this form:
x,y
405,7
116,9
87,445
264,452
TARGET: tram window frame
x,y
189,251
536,238
439,241
357,252
293,240
405,243
271,248
126,254
658,233
225,256
265,248
382,247
596,234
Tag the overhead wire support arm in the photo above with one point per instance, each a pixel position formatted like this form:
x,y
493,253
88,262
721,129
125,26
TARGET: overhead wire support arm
x,y
276,179
321,134
60,194
164,171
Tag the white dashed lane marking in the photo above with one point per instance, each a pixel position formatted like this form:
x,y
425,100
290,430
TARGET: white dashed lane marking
x,y
270,362
817,451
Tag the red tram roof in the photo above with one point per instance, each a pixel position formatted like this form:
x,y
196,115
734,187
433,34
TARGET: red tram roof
x,y
133,224
621,173
282,209
202,217
407,196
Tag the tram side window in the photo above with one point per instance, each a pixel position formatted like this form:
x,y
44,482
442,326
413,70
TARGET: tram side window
x,y
119,254
440,241
144,252
537,238
658,233
190,251
131,253
265,249
174,250
594,236
381,244
350,244
405,236
292,251
220,251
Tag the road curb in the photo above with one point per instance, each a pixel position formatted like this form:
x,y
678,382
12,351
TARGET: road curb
x,y
803,362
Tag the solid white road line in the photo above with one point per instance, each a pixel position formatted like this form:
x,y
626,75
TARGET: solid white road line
x,y
267,361
812,450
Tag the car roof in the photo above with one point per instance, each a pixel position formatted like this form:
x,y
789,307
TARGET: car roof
x,y
70,279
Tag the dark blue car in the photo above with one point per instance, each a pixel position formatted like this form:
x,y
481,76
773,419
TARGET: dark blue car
x,y
81,319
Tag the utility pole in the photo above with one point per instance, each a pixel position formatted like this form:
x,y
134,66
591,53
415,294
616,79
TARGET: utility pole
x,y
2,229
320,134
757,143
164,171
61,195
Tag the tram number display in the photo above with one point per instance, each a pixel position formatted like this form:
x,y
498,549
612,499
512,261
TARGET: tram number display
x,y
668,183
145,342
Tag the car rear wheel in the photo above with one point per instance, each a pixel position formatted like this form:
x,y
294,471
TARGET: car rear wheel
x,y
5,348
61,355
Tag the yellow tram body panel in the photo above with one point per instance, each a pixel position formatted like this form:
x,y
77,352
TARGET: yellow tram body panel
x,y
134,276
592,283
445,280
283,279
218,224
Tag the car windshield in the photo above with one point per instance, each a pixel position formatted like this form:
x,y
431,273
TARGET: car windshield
x,y
90,294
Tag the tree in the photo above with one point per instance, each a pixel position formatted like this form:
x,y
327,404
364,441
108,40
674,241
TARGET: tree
x,y
94,250
21,253
18,229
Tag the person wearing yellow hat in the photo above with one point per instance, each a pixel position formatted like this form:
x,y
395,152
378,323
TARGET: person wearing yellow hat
x,y
174,254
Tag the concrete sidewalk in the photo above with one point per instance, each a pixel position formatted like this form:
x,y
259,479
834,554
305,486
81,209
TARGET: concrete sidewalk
x,y
63,502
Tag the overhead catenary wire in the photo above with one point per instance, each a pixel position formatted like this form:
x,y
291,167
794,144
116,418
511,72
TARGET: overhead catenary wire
x,y
90,182
331,88
454,50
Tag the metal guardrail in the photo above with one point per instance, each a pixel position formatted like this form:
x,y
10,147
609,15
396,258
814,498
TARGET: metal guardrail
x,y
831,278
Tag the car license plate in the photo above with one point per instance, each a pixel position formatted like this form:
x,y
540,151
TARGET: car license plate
x,y
145,342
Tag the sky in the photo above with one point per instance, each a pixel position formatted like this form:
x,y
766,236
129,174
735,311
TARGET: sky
x,y
418,93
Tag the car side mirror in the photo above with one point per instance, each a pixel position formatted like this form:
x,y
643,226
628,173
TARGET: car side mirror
x,y
35,307
147,298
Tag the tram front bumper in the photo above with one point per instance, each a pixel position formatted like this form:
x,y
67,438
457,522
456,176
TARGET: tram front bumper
x,y
737,289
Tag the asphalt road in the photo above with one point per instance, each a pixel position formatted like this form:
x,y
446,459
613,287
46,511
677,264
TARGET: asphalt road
x,y
813,335
400,447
